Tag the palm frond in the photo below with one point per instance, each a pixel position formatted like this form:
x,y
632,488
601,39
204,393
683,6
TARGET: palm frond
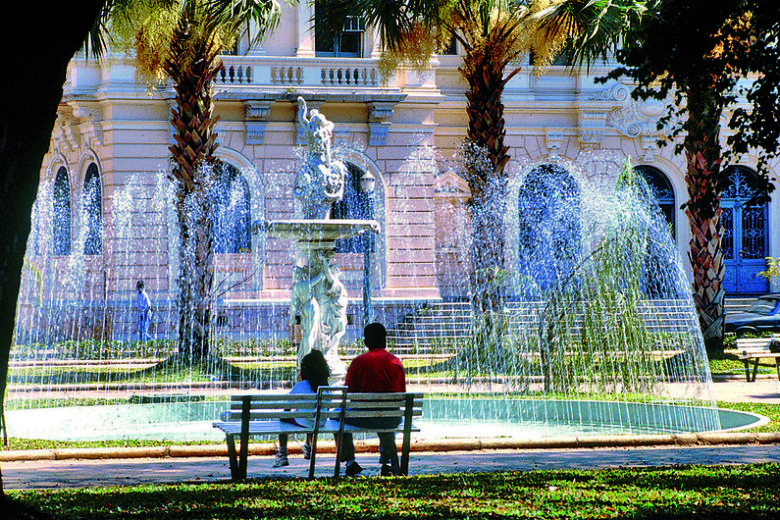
x,y
394,20
258,18
587,29
97,41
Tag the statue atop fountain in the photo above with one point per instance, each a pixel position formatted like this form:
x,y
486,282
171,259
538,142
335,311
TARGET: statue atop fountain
x,y
318,295
320,182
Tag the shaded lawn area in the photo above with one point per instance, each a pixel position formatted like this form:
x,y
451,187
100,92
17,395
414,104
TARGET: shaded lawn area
x,y
723,492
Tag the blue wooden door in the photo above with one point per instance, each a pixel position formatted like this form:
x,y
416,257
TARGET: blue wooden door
x,y
745,235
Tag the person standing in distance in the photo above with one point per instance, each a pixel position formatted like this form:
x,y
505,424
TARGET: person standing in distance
x,y
144,305
374,371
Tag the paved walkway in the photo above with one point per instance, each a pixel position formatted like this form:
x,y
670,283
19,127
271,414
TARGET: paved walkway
x,y
50,474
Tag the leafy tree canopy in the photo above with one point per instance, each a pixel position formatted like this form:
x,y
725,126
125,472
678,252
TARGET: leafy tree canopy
x,y
758,126
684,46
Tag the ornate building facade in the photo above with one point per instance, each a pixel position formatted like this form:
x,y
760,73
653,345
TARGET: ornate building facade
x,y
103,219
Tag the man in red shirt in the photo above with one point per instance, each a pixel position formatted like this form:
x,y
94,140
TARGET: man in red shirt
x,y
374,371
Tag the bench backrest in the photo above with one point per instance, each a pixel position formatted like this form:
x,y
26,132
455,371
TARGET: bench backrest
x,y
271,406
331,402
403,404
754,343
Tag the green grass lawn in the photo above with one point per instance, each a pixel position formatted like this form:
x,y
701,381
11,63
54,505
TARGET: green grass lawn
x,y
738,492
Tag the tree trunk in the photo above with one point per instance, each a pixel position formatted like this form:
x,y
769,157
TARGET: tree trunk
x,y
485,157
194,125
38,44
703,155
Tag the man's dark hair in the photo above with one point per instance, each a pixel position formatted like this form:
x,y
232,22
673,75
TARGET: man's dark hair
x,y
140,285
375,335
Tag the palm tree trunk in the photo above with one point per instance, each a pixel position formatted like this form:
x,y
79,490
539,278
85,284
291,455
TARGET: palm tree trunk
x,y
703,154
194,125
485,159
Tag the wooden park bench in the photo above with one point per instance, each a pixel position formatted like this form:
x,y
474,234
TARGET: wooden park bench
x,y
752,350
327,411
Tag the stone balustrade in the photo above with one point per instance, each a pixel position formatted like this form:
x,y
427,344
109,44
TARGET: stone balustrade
x,y
300,72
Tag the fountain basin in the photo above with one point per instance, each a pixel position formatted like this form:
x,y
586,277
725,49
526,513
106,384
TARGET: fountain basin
x,y
442,418
316,232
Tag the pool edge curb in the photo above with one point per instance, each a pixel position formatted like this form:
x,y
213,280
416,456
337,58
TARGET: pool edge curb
x,y
425,445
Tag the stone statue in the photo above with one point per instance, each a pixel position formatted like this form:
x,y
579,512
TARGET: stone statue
x,y
320,182
304,302
334,318
320,298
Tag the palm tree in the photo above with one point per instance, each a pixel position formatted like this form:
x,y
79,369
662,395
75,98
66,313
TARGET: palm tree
x,y
181,41
495,36
701,62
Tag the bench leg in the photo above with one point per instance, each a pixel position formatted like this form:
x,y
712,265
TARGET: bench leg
x,y
231,447
405,453
747,370
313,456
339,437
243,456
777,366
755,369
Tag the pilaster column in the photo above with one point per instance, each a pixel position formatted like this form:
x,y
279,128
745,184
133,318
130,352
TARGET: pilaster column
x,y
305,33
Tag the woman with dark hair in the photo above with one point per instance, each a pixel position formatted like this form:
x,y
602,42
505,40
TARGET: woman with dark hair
x,y
314,374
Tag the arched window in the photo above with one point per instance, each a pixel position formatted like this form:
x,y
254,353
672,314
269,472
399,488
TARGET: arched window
x,y
61,213
355,205
549,229
93,211
662,191
232,218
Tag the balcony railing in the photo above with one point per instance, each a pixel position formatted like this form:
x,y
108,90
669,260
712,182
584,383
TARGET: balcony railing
x,y
300,72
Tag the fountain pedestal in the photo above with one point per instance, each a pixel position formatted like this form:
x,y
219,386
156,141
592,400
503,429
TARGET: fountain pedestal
x,y
318,294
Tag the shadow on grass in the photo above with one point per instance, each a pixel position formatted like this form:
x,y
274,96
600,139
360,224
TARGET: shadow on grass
x,y
720,492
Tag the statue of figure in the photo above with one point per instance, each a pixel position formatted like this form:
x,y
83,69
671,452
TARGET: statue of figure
x,y
330,297
321,180
334,315
303,301
318,131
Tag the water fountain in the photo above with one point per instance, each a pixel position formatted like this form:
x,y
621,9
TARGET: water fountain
x,y
318,295
598,333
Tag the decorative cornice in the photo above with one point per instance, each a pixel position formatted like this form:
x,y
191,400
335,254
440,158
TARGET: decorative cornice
x,y
257,109
379,115
88,117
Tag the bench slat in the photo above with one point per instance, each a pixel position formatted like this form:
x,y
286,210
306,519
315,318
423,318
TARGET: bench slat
x,y
275,427
278,403
257,398
256,415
